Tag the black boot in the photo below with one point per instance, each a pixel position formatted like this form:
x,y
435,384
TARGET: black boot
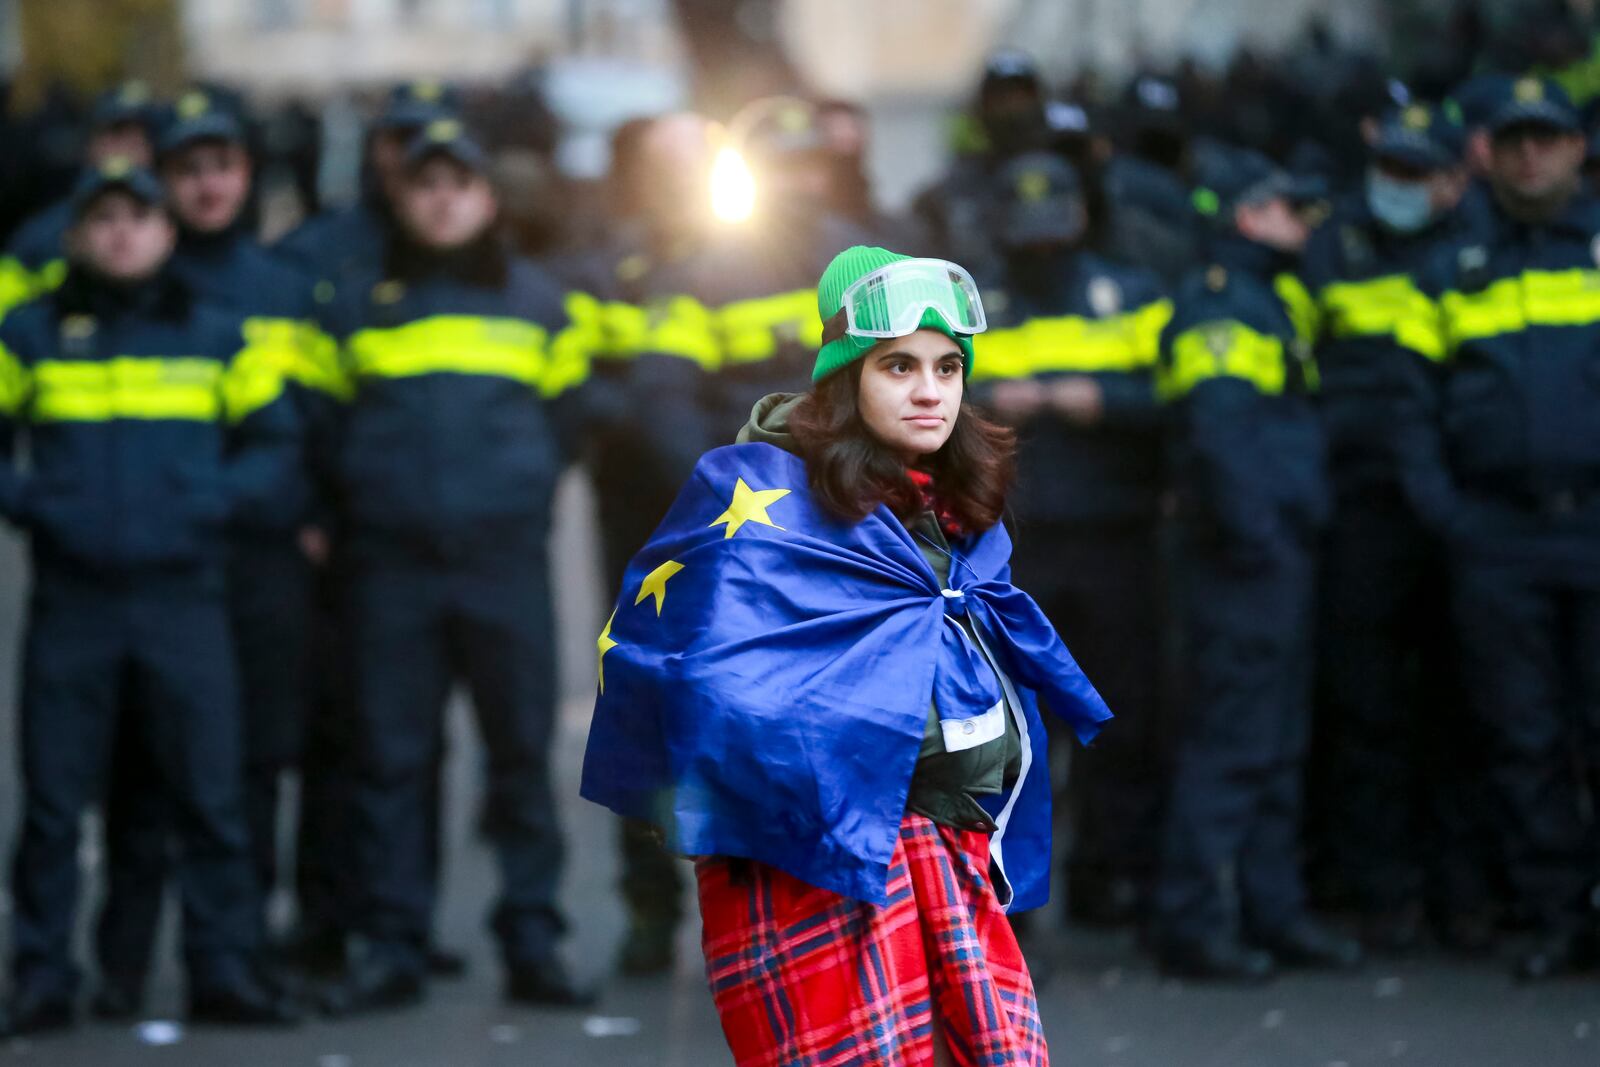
x,y
546,983
377,983
1216,959
119,998
38,1009
241,1000
1306,943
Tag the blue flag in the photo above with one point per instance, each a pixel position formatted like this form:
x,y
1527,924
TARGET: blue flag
x,y
766,674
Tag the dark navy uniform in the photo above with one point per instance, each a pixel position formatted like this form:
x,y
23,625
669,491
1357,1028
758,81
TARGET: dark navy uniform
x,y
1248,466
270,580
1086,508
151,427
1512,480
444,463
1391,765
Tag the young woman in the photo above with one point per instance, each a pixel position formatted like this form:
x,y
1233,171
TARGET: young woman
x,y
819,681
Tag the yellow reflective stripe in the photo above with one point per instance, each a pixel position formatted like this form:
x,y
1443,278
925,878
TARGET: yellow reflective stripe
x,y
627,330
15,383
752,329
1146,324
48,278
1297,301
1390,306
128,387
575,345
682,326
1000,353
468,344
1532,298
299,351
18,284
1123,343
1223,349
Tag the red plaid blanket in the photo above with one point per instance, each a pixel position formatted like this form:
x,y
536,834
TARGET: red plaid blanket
x,y
803,977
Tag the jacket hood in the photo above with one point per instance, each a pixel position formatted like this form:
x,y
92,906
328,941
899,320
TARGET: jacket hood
x,y
769,422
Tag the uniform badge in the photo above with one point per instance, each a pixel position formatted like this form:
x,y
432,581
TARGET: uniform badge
x,y
1416,117
192,104
1472,267
75,332
996,300
388,292
1216,277
1033,186
1219,339
323,292
1105,296
1528,90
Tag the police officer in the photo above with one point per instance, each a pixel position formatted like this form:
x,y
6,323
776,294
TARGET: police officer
x,y
1391,766
1248,465
1069,360
206,169
1512,481
343,245
122,125
151,424
444,463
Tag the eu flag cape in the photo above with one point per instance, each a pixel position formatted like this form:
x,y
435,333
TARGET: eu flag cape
x,y
766,675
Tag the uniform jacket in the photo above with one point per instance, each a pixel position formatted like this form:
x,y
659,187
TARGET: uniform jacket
x,y
1515,424
1076,314
1377,339
453,432
1248,452
151,424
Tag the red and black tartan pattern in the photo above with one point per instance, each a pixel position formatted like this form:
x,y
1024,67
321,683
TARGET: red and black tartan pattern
x,y
804,977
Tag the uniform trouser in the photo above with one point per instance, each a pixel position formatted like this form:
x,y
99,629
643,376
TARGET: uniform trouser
x,y
651,882
154,650
270,604
1102,591
1395,788
1530,660
416,627
1234,804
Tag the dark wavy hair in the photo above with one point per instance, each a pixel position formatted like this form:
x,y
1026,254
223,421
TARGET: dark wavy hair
x,y
851,472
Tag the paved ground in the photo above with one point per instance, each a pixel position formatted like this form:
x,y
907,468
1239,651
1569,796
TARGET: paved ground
x,y
1103,1005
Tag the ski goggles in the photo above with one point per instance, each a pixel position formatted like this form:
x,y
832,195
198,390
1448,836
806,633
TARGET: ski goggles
x,y
891,301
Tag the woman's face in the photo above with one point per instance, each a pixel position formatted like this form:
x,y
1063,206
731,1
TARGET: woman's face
x,y
911,392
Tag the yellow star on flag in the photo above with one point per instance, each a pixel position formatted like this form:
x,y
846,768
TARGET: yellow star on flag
x,y
655,584
605,644
749,505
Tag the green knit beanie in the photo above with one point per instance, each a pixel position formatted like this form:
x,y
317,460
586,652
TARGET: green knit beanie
x,y
847,268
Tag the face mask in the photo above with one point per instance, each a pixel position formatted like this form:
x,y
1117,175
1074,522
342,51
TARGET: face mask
x,y
1404,207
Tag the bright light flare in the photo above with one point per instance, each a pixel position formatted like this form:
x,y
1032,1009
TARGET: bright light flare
x,y
733,187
